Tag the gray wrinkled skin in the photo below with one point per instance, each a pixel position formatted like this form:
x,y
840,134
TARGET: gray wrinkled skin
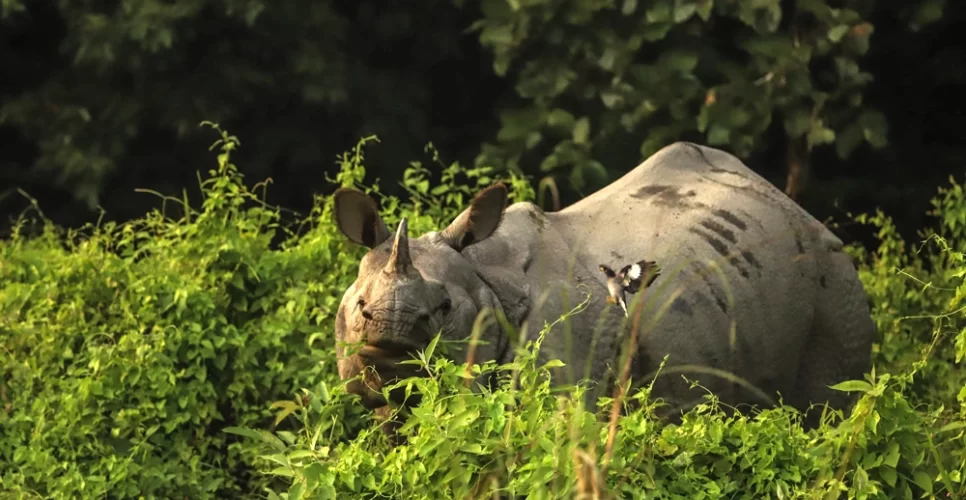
x,y
799,311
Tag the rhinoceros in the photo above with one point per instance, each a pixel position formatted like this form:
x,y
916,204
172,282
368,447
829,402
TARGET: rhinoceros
x,y
751,285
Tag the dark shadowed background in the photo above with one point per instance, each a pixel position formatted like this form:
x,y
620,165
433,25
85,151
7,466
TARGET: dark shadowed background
x,y
848,105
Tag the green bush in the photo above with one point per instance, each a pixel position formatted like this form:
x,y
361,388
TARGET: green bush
x,y
194,358
127,347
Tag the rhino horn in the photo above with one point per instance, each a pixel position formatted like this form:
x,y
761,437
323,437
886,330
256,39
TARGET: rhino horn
x,y
399,260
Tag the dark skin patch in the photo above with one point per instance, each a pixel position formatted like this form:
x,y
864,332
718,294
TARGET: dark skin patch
x,y
538,219
709,354
702,298
721,230
715,243
668,196
772,196
680,305
722,249
648,191
750,258
741,270
822,281
713,167
616,255
730,218
748,216
714,293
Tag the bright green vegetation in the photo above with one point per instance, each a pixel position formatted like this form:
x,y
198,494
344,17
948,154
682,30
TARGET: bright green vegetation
x,y
194,358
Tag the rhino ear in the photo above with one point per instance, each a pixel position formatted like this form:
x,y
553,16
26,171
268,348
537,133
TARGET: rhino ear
x,y
357,217
477,222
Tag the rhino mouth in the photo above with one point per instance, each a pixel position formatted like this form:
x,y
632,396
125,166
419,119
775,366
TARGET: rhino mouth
x,y
380,366
386,351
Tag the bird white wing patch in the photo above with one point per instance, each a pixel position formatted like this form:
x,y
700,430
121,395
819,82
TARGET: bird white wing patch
x,y
634,272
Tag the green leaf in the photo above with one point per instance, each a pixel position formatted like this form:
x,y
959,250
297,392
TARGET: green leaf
x,y
518,123
819,134
611,99
660,11
837,32
888,475
891,457
577,178
848,140
560,119
704,9
596,170
656,139
296,491
282,471
495,9
431,348
297,454
286,436
242,431
853,386
718,135
927,12
581,133
550,162
684,12
952,426
553,363
496,35
777,47
288,407
628,7
924,481
874,127
655,31
681,61
797,121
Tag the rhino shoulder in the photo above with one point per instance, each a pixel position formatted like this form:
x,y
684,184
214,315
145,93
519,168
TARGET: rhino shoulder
x,y
503,259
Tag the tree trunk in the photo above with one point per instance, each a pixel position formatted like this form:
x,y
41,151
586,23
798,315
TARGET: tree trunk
x,y
798,167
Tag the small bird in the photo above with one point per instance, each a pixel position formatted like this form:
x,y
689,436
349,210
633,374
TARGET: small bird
x,y
629,279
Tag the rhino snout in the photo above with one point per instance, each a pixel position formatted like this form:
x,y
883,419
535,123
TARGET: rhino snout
x,y
395,331
388,336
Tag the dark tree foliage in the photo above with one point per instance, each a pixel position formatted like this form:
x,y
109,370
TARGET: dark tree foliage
x,y
98,98
858,101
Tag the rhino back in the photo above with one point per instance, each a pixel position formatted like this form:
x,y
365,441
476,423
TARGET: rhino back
x,y
736,256
687,206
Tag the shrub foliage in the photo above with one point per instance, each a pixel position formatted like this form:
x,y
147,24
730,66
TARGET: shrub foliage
x,y
194,358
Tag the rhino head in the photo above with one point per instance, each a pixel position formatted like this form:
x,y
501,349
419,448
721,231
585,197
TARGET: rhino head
x,y
409,289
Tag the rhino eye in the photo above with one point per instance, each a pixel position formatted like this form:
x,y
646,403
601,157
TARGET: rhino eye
x,y
446,305
365,312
